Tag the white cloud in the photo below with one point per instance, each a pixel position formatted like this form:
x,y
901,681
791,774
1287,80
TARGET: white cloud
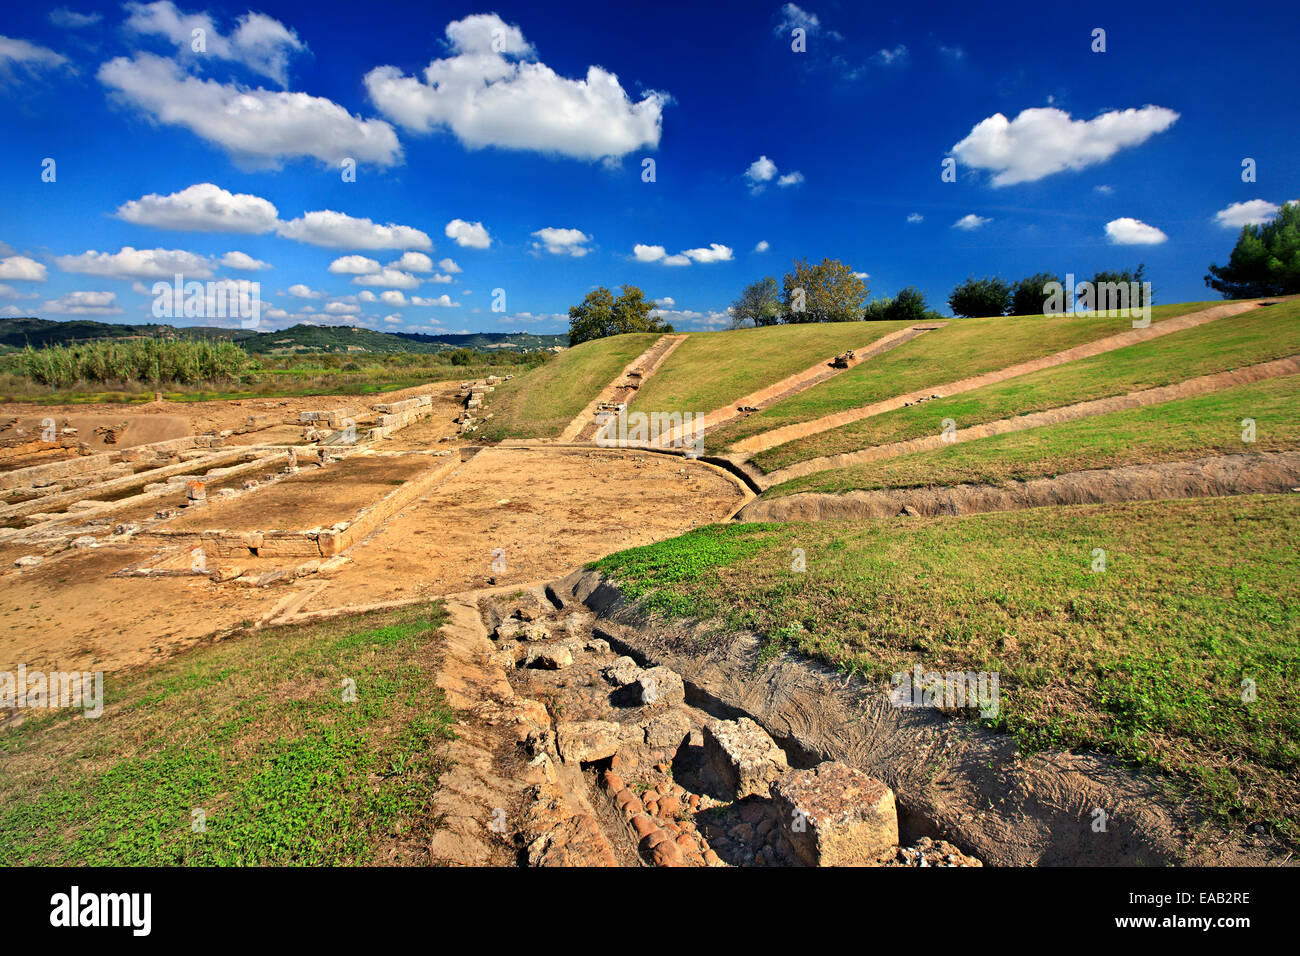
x,y
862,275
793,16
448,265
667,300
257,127
1250,213
301,291
472,235
22,268
394,318
790,179
9,292
562,242
342,308
486,94
970,221
132,263
1103,189
393,297
243,262
915,217
203,207
337,230
411,262
889,57
760,171
1133,232
681,259
443,302
29,56
260,43
84,303
354,265
643,253
762,246
716,252
389,278
67,19
439,279
1044,140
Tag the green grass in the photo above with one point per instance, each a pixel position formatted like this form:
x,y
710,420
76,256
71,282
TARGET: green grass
x,y
713,369
1180,430
540,403
963,348
255,732
1144,661
1247,339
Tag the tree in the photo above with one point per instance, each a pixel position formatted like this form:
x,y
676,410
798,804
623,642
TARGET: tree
x,y
980,297
908,305
759,303
601,314
1264,262
826,292
1028,297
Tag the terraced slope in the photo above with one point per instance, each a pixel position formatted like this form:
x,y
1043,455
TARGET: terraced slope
x,y
542,402
1250,338
712,369
963,348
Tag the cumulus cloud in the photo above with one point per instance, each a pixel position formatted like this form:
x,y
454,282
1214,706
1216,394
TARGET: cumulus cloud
x,y
562,242
890,57
22,268
132,263
762,171
448,265
258,127
1133,232
203,207
22,53
390,278
337,230
1250,213
84,303
261,43
762,246
412,262
790,179
243,262
487,93
301,291
716,252
353,265
915,217
970,221
441,302
1042,141
472,235
643,253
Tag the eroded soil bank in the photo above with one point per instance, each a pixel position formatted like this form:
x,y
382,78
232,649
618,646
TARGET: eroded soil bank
x,y
1265,473
953,780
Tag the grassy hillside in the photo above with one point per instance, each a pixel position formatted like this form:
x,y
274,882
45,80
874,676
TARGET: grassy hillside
x,y
540,403
963,348
254,732
712,369
1145,660
1247,339
19,333
1173,431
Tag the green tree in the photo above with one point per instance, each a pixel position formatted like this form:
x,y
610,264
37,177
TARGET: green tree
x,y
1027,295
825,292
600,314
1264,262
759,304
980,297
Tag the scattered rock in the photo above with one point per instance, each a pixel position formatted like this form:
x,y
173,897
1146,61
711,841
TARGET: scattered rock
x,y
587,740
834,815
741,759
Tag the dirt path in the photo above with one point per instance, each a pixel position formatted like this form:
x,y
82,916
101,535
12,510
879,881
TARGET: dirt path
x,y
1053,416
1217,476
799,381
779,436
583,427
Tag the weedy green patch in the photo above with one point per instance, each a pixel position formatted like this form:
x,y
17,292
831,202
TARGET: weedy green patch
x,y
1183,653
303,745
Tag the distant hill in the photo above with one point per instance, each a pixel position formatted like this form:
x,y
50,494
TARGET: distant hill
x,y
20,332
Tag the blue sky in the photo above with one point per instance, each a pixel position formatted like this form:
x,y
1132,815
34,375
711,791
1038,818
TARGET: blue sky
x,y
516,162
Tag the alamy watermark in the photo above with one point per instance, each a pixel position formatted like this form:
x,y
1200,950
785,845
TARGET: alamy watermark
x,y
1116,299
622,429
221,299
31,690
946,690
